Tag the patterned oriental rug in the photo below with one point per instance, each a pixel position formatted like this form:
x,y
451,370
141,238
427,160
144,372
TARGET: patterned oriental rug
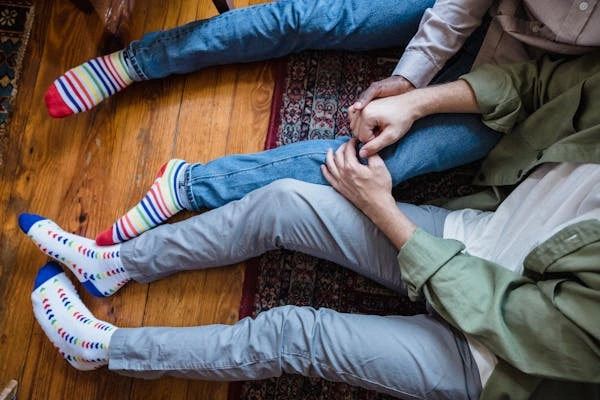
x,y
313,91
16,18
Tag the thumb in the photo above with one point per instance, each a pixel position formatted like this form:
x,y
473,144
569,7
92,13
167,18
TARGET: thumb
x,y
371,148
385,138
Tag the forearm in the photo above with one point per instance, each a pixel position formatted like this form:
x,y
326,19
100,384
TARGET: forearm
x,y
386,215
504,310
453,97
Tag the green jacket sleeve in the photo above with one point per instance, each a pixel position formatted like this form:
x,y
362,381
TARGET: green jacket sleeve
x,y
508,94
546,327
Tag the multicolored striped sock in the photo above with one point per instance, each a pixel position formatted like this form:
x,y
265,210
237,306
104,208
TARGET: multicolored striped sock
x,y
79,337
99,269
160,203
83,87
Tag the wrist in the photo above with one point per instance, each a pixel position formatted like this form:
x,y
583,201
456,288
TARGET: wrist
x,y
423,103
378,210
386,215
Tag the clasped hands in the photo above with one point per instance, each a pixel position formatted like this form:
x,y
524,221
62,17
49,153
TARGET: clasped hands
x,y
376,123
368,186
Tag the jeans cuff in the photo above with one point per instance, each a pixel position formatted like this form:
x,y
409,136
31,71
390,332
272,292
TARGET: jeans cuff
x,y
185,190
129,54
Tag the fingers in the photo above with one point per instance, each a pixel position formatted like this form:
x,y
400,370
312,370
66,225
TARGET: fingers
x,y
373,147
389,86
349,153
364,126
375,161
339,162
372,92
331,166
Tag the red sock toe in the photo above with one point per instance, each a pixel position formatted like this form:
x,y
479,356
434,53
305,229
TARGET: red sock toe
x,y
57,108
105,238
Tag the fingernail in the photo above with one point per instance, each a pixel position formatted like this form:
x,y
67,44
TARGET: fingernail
x,y
362,153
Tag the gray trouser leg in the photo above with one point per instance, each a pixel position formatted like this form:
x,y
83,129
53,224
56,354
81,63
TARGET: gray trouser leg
x,y
287,214
414,357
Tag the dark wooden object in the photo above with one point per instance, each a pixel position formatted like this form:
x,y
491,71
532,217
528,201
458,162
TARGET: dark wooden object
x,y
116,15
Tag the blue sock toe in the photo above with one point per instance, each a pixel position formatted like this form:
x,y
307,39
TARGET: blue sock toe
x,y
27,220
92,289
46,272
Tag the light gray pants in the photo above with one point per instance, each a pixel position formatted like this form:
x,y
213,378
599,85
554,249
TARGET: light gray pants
x,y
409,357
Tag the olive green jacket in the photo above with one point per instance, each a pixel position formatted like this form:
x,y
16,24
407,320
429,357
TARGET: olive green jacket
x,y
544,325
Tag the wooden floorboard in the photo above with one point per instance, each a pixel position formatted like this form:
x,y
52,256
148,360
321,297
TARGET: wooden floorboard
x,y
86,170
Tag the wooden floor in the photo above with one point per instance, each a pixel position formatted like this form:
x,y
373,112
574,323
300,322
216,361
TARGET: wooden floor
x,y
85,170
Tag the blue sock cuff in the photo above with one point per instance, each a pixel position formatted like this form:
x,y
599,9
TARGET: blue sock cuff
x,y
46,272
27,220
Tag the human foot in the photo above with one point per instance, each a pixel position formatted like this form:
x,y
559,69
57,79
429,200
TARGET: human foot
x,y
160,203
79,337
99,269
85,86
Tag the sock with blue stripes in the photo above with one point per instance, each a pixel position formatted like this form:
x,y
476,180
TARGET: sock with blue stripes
x,y
83,87
162,201
79,337
99,269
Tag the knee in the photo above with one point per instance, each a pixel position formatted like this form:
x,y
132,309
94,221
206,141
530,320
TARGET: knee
x,y
309,16
287,194
270,205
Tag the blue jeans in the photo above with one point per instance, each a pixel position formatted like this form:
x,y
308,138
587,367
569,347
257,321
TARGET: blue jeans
x,y
414,357
435,143
276,29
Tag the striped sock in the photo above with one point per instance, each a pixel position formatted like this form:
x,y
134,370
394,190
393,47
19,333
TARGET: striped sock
x,y
160,203
83,87
79,337
99,269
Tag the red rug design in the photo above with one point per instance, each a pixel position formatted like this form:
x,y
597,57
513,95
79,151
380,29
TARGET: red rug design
x,y
313,91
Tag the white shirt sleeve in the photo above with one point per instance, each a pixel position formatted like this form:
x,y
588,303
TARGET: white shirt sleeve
x,y
442,32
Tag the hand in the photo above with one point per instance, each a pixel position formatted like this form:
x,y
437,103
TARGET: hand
x,y
368,187
387,87
384,121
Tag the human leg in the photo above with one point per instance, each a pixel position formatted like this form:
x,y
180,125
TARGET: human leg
x,y
414,357
322,224
435,143
242,35
276,29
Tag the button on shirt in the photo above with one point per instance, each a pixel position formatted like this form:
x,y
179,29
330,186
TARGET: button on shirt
x,y
519,30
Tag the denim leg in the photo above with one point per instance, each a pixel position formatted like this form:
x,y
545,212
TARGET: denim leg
x,y
232,177
418,357
288,214
276,29
435,143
